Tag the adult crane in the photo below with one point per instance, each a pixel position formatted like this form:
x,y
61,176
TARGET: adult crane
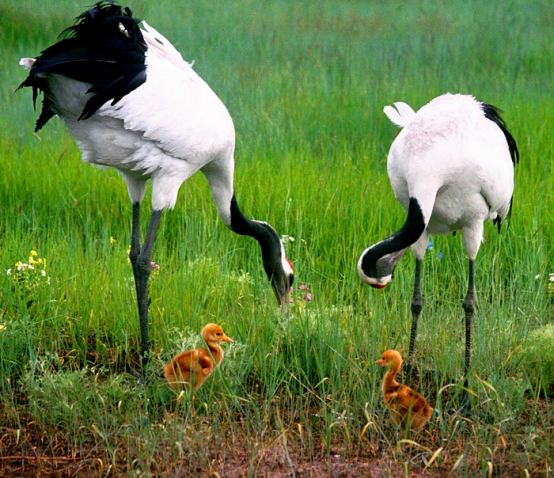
x,y
132,103
451,168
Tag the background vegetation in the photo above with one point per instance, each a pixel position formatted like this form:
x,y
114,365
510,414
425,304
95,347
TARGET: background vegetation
x,y
306,83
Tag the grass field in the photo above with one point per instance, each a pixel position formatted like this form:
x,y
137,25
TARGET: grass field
x,y
305,83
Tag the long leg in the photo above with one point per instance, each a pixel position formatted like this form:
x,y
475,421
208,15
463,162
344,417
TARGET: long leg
x,y
142,267
135,240
469,308
417,304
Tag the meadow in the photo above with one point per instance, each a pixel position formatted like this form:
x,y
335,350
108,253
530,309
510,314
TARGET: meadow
x,y
296,395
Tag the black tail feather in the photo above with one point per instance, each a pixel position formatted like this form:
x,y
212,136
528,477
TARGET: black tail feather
x,y
493,113
105,48
115,91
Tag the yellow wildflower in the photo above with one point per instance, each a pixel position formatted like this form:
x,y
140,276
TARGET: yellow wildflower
x,y
112,240
34,253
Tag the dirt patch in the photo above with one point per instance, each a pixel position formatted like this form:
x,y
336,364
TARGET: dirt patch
x,y
32,451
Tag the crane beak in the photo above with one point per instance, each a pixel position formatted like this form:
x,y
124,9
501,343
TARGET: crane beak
x,y
283,299
378,286
385,268
281,282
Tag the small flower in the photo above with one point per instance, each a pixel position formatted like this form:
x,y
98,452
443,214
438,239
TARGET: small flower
x,y
155,266
440,255
27,277
2,327
308,295
112,240
430,246
286,238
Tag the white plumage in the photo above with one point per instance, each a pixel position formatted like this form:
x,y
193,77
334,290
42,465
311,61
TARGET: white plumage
x,y
132,103
166,130
451,168
402,115
456,162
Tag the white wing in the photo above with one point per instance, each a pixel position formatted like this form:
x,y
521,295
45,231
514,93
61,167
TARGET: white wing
x,y
175,108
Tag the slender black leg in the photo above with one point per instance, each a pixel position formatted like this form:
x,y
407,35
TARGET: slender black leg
x,y
469,308
417,304
142,266
135,240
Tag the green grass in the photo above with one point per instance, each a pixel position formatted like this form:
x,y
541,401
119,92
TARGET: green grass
x,y
305,83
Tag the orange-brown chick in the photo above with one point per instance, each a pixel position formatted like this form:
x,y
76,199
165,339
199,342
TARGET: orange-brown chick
x,y
408,408
193,367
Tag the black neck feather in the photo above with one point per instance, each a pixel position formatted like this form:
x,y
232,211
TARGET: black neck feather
x,y
266,236
401,239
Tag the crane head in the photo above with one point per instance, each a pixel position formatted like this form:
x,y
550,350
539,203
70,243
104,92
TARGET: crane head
x,y
282,279
378,271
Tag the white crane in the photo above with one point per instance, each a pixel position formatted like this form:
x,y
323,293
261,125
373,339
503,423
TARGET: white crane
x,y
451,168
131,102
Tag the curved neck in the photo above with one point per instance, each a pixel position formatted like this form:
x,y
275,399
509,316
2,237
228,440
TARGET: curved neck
x,y
266,236
216,351
261,231
374,262
391,374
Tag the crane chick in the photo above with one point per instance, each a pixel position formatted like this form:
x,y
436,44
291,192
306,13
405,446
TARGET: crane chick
x,y
193,367
408,408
